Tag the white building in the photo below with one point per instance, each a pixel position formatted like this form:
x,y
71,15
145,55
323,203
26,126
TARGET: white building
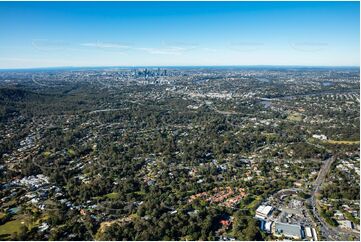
x,y
263,211
314,233
268,226
308,232
321,136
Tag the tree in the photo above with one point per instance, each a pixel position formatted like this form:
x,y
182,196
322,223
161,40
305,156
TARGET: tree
x,y
252,231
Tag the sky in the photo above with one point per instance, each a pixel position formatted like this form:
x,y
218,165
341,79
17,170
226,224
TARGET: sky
x,y
50,34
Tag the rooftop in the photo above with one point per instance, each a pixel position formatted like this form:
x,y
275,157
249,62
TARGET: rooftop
x,y
265,210
289,230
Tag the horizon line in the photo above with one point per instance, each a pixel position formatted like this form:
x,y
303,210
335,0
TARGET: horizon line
x,y
174,66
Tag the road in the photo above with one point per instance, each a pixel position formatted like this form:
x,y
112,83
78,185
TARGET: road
x,y
40,84
322,174
328,232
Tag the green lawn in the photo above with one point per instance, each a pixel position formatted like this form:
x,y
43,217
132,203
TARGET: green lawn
x,y
254,203
71,152
12,227
46,154
113,195
294,117
140,193
269,135
17,222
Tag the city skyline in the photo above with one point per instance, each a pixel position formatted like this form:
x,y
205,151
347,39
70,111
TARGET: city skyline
x,y
81,34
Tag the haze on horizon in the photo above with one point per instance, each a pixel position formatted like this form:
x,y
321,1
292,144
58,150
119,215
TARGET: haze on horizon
x,y
43,34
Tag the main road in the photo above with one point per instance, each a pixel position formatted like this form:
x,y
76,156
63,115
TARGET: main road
x,y
328,232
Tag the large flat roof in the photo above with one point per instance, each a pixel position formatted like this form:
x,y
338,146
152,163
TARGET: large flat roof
x,y
290,230
264,209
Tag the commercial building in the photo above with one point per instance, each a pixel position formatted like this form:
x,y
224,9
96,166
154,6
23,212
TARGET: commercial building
x,y
308,232
292,231
314,233
263,211
266,225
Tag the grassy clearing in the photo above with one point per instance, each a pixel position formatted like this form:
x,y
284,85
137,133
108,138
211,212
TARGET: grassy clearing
x,y
269,135
254,203
11,227
71,152
140,193
113,195
297,117
14,226
46,154
343,142
105,225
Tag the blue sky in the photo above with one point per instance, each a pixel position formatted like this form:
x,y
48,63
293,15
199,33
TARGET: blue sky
x,y
43,34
